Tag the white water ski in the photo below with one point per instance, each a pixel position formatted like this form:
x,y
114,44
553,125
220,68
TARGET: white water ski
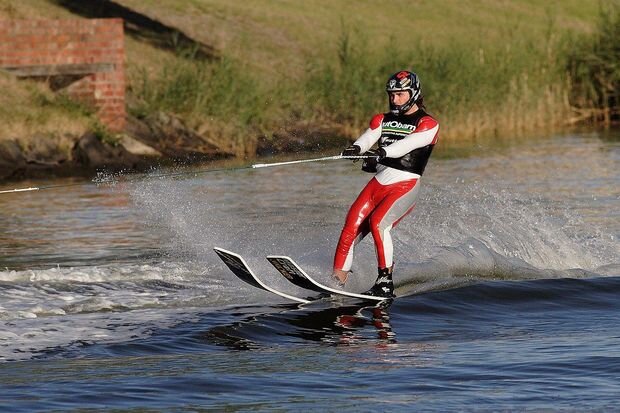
x,y
293,272
240,268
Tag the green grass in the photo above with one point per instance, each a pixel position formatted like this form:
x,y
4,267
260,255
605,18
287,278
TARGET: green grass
x,y
29,110
198,89
498,69
488,69
474,89
283,37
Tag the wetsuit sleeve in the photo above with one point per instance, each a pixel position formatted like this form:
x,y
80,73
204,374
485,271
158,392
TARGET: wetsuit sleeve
x,y
371,135
424,135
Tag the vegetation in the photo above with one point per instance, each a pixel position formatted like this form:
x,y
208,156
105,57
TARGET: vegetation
x,y
201,90
594,68
475,91
507,82
488,69
29,108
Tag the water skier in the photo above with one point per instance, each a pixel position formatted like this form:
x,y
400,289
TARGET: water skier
x,y
405,136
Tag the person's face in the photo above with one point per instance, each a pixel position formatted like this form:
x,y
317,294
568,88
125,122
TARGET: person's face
x,y
399,97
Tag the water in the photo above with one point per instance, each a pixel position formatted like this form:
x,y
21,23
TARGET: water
x,y
111,297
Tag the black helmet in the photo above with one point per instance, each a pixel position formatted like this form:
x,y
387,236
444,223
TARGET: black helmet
x,y
400,81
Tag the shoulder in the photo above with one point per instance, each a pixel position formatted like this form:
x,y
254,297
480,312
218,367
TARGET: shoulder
x,y
426,122
376,120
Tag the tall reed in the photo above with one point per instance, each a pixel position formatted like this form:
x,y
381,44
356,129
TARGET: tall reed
x,y
594,68
196,88
477,90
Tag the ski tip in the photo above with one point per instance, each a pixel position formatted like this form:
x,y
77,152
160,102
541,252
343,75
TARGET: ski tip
x,y
222,250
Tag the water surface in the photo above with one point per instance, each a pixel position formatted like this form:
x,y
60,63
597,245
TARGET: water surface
x,y
112,298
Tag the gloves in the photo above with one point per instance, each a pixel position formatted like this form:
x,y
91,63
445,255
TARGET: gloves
x,y
369,165
352,150
375,155
379,153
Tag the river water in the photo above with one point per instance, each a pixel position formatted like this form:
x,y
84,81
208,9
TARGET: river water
x,y
111,297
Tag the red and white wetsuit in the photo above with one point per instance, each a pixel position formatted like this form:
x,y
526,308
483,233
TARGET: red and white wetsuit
x,y
391,194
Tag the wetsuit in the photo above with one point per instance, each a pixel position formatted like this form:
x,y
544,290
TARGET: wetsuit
x,y
391,194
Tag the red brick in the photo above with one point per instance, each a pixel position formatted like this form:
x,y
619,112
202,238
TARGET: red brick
x,y
71,41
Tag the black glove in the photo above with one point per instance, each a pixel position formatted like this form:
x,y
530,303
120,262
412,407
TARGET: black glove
x,y
379,153
374,156
352,150
369,165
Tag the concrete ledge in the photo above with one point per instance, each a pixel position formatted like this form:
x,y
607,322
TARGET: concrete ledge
x,y
59,70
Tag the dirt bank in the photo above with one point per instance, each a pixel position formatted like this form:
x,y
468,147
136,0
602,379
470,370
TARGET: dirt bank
x,y
159,140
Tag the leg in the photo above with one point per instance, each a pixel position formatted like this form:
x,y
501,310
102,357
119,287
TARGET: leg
x,y
397,203
342,274
355,227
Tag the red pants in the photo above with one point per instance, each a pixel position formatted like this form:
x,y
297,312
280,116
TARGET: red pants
x,y
377,209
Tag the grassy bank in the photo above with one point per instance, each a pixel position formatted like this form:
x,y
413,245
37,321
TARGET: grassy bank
x,y
31,109
488,69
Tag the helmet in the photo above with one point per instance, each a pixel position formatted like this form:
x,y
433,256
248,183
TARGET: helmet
x,y
400,81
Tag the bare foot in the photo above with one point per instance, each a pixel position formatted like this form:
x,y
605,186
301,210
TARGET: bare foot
x,y
340,276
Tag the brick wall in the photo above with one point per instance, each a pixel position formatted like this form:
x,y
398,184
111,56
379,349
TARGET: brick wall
x,y
90,44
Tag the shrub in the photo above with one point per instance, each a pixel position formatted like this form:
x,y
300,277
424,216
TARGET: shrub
x,y
594,69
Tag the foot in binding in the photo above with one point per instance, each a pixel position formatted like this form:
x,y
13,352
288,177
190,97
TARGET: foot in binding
x,y
384,286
